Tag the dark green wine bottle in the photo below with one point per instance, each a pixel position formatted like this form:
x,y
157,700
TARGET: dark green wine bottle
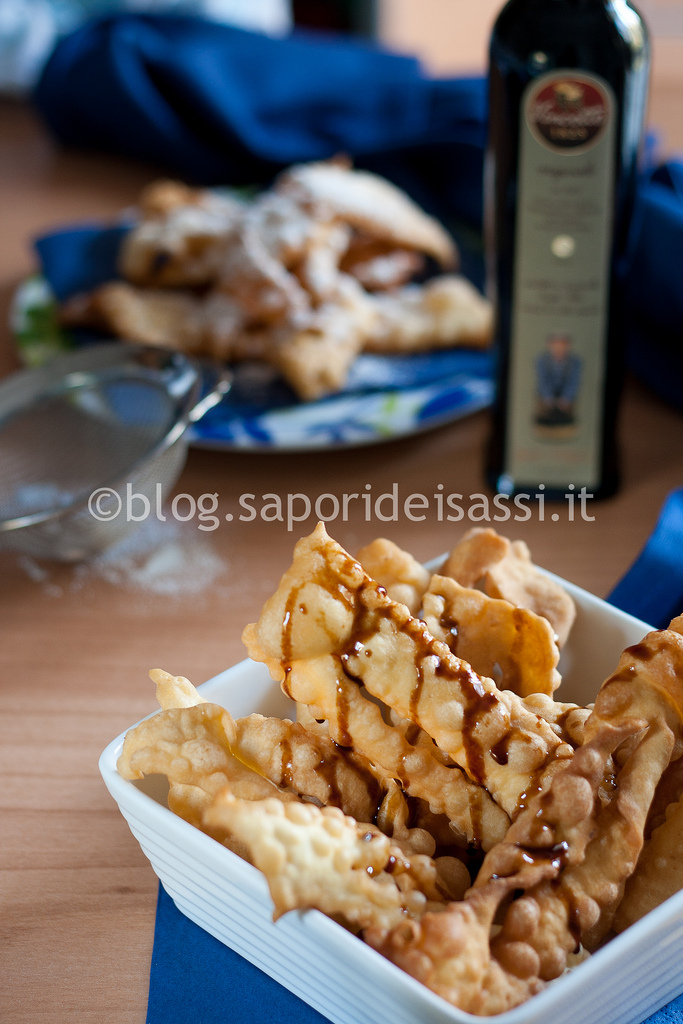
x,y
568,87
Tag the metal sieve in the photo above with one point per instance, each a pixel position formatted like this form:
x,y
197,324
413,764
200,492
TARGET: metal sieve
x,y
100,419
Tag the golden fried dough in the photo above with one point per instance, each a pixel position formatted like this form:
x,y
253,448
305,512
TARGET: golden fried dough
x,y
474,554
315,359
318,857
643,696
453,953
182,237
483,841
201,745
192,747
514,645
450,953
380,266
568,721
370,204
403,577
516,579
305,276
331,628
659,871
669,791
164,318
174,691
504,570
311,766
442,313
567,855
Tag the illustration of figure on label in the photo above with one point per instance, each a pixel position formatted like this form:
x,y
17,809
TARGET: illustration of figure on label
x,y
558,379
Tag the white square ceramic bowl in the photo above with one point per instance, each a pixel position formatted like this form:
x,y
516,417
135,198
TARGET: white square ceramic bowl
x,y
332,970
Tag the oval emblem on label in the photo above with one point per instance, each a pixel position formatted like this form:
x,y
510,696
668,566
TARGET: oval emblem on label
x,y
568,113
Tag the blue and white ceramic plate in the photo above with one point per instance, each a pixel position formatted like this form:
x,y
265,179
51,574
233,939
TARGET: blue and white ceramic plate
x,y
385,397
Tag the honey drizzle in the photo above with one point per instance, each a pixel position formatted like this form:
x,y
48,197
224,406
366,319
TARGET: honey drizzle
x,y
286,768
477,699
451,628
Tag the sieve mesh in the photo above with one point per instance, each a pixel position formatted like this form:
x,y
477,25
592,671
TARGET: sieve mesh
x,y
104,417
66,444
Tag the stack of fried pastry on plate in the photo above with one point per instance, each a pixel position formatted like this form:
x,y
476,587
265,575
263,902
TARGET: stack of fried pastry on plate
x,y
305,276
433,796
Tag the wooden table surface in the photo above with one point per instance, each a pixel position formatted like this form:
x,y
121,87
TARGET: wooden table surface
x,y
77,895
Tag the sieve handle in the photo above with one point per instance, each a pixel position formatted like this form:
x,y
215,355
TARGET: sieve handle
x,y
219,381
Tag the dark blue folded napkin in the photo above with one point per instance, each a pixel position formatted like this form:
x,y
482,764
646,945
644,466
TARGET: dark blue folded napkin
x,y
653,289
195,979
652,589
218,105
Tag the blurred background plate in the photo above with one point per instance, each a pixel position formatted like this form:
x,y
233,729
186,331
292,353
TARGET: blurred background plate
x,y
385,397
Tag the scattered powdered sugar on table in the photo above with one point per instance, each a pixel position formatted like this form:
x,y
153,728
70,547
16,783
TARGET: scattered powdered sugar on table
x,y
170,559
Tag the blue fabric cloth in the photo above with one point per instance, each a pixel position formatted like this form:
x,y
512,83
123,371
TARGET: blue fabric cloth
x,y
652,589
654,284
80,258
195,979
219,105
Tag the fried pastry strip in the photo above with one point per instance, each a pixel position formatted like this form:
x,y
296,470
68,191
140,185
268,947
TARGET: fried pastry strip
x,y
370,204
319,858
257,270
403,577
449,952
204,747
492,634
504,569
659,872
354,721
380,266
553,832
181,238
148,316
647,691
311,766
193,748
174,691
330,627
441,313
314,352
568,721
669,791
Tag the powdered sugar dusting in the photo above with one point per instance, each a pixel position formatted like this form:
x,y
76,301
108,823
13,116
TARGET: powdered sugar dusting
x,y
169,559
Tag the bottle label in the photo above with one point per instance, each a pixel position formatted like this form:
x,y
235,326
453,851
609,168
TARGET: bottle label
x,y
561,286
